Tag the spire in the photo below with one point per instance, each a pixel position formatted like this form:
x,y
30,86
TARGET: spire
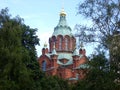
x,y
54,51
62,20
75,52
62,13
54,46
82,49
45,49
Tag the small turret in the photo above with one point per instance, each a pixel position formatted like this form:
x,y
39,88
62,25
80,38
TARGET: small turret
x,y
54,54
54,50
54,57
82,50
75,57
75,52
45,49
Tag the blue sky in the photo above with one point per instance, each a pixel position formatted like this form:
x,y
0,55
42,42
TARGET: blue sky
x,y
44,15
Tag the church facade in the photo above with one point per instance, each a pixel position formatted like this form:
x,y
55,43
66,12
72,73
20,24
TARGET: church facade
x,y
63,58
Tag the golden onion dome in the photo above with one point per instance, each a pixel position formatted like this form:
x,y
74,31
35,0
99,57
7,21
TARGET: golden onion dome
x,y
62,13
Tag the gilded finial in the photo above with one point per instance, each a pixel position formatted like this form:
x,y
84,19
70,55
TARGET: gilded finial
x,y
45,44
63,13
81,45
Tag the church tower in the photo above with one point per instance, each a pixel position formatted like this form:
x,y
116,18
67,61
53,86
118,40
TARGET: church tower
x,y
63,58
62,36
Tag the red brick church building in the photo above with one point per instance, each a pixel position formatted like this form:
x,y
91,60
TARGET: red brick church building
x,y
63,58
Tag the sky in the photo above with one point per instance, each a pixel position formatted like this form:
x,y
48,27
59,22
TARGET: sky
x,y
44,15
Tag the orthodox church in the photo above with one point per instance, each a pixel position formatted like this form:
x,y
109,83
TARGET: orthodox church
x,y
63,58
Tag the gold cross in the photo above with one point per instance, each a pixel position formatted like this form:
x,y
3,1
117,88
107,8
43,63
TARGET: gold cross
x,y
62,4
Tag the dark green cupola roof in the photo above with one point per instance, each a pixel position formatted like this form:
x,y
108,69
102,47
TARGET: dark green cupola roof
x,y
62,28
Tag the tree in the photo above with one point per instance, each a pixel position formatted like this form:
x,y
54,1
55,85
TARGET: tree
x,y
54,83
29,41
99,77
14,74
19,69
105,18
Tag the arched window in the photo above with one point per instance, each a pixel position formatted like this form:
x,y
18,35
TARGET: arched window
x,y
66,43
60,43
44,65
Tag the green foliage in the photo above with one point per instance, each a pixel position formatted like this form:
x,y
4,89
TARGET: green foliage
x,y
105,30
104,16
14,56
30,40
99,76
19,69
54,83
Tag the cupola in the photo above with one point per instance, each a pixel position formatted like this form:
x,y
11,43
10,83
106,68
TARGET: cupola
x,y
62,28
62,36
45,49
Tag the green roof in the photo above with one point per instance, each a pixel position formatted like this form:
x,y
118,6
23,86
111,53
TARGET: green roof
x,y
62,28
64,55
82,66
67,56
54,52
76,52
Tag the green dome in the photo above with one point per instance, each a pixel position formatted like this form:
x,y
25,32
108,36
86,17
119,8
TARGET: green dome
x,y
62,28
